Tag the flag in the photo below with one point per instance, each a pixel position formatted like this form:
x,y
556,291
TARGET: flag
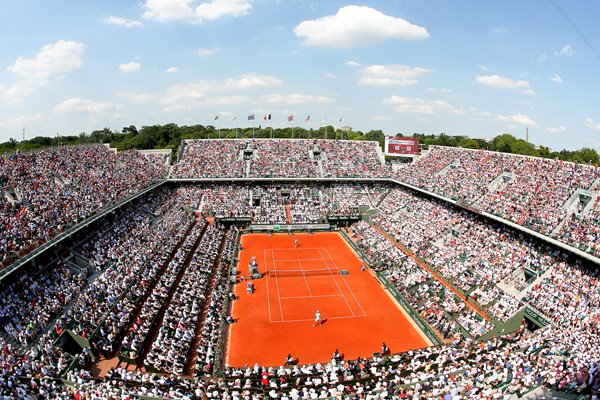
x,y
259,126
340,119
291,117
250,117
307,119
216,117
234,118
268,117
324,119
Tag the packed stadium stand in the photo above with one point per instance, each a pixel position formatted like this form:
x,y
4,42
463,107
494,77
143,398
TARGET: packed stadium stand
x,y
509,313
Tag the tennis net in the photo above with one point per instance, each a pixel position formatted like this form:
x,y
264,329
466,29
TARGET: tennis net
x,y
302,272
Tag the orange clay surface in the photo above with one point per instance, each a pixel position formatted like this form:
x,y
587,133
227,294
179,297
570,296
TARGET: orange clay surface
x,y
277,319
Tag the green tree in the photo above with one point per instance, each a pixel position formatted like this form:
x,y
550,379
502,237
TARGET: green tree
x,y
503,143
468,143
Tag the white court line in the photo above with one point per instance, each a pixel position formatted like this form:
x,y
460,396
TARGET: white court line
x,y
277,285
348,286
267,279
305,280
326,318
336,283
293,248
304,259
312,297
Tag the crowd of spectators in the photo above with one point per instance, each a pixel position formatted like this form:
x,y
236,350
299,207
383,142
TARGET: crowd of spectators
x,y
138,332
211,159
347,198
582,231
532,193
270,203
351,159
169,350
280,158
283,158
210,350
46,191
29,303
472,255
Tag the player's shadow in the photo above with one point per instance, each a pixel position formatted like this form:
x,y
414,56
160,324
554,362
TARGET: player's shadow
x,y
323,321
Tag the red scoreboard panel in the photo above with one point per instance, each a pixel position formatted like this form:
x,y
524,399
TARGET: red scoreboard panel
x,y
403,146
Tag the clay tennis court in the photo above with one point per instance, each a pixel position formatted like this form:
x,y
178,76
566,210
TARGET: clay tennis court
x,y
278,317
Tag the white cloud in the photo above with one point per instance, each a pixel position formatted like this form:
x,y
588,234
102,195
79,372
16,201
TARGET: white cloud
x,y
482,67
194,12
206,52
558,129
567,51
382,118
209,86
22,120
124,22
391,75
440,90
207,92
137,97
194,100
331,75
542,57
352,63
519,119
556,78
85,106
406,105
354,26
501,82
130,67
590,123
172,70
295,98
249,81
214,9
52,62
479,115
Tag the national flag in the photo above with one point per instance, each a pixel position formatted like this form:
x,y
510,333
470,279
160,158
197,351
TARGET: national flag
x,y
268,117
291,117
307,119
250,117
340,119
234,118
259,126
216,117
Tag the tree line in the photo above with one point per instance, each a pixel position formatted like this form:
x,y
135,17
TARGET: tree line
x,y
169,136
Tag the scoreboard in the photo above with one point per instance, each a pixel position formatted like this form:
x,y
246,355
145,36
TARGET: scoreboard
x,y
401,146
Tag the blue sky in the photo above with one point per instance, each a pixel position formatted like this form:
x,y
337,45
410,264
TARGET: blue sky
x,y
476,68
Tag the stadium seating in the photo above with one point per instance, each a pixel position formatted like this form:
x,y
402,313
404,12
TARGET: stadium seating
x,y
155,267
46,191
529,191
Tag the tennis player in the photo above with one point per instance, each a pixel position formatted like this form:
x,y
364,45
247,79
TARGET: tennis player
x,y
317,319
296,244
